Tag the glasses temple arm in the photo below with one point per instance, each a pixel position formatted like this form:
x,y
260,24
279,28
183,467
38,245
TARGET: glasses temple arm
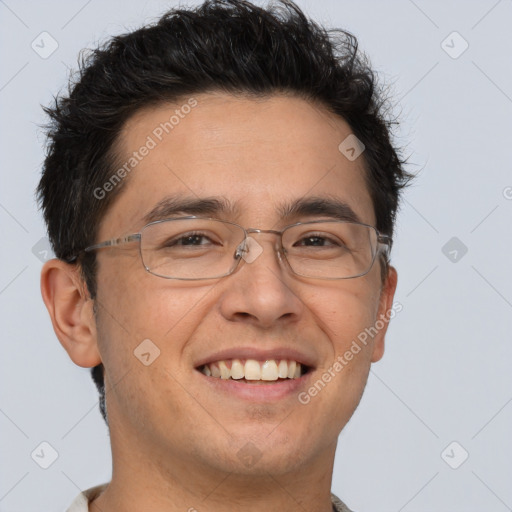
x,y
107,243
385,243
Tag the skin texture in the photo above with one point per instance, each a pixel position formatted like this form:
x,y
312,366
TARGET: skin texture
x,y
175,440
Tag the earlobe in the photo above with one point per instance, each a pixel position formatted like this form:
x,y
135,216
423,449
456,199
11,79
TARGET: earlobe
x,y
384,313
71,311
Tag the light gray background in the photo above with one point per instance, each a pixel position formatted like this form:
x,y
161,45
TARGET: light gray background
x,y
446,373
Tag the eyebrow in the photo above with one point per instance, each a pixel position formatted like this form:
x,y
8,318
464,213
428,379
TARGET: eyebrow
x,y
328,206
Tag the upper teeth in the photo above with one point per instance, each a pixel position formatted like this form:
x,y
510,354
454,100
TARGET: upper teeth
x,y
271,369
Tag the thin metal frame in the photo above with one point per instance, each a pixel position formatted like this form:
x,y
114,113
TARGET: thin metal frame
x,y
384,244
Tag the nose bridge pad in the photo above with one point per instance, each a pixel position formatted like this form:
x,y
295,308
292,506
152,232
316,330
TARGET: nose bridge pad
x,y
250,249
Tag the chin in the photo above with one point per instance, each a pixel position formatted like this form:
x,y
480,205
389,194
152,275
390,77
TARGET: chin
x,y
263,451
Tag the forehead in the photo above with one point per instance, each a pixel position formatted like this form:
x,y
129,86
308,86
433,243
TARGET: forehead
x,y
260,156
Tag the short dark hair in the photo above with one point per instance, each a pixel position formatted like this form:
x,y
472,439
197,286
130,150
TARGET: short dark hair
x,y
230,46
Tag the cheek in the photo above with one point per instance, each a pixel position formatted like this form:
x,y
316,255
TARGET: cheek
x,y
145,307
345,313
138,302
139,324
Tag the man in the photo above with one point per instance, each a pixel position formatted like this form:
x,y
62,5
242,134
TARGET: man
x,y
220,191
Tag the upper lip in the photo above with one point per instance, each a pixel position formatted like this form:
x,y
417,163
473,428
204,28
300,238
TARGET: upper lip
x,y
279,353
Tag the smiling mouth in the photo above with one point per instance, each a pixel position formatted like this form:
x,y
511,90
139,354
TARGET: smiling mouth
x,y
252,370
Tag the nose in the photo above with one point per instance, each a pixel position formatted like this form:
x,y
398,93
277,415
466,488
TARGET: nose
x,y
262,291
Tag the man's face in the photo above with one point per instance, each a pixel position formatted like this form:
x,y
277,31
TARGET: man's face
x,y
258,155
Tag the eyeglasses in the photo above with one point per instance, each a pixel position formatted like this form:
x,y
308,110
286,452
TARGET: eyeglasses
x,y
193,248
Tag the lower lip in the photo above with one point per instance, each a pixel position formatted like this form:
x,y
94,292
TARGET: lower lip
x,y
257,392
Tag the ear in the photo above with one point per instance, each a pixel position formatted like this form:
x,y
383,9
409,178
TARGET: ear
x,y
384,313
71,311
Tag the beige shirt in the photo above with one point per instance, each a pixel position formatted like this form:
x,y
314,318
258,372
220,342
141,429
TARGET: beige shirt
x,y
81,502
